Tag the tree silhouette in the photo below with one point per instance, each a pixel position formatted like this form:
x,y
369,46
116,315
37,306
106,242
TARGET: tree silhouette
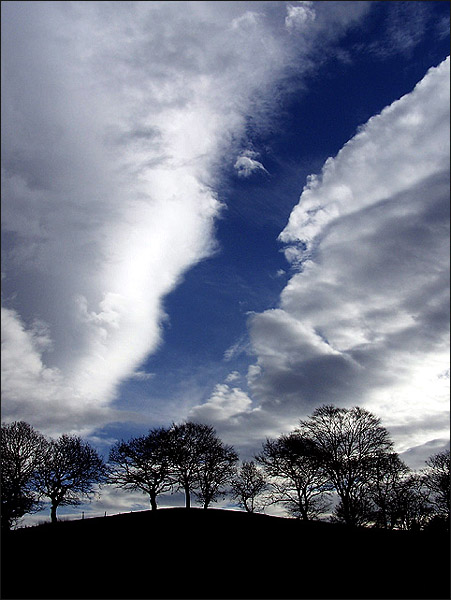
x,y
297,475
69,472
411,503
436,478
142,463
215,469
390,474
22,453
188,441
248,485
193,450
349,441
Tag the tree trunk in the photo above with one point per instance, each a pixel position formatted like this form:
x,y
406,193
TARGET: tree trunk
x,y
302,504
53,512
187,497
348,512
153,501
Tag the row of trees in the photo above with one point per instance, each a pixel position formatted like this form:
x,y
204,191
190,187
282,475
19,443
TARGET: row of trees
x,y
346,455
68,470
337,456
188,457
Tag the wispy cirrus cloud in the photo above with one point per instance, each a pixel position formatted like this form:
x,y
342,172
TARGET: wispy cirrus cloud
x,y
407,24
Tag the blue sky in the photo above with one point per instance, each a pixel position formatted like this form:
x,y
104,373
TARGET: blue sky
x,y
231,212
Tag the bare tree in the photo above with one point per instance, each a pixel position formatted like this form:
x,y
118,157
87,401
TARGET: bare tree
x,y
411,503
436,478
70,472
390,473
22,452
248,485
142,463
189,448
215,469
297,476
349,441
188,442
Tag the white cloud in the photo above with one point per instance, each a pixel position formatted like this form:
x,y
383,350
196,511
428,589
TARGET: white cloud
x,y
248,20
366,319
407,24
41,395
142,376
299,15
116,117
246,164
408,131
224,403
415,457
240,346
233,376
231,411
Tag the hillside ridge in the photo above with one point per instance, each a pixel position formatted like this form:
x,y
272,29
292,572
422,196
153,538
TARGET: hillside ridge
x,y
218,553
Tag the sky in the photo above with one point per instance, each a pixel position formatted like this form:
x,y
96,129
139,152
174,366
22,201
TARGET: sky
x,y
227,212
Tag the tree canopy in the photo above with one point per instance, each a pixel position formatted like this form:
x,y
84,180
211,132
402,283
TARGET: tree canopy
x,y
22,455
349,442
70,470
142,463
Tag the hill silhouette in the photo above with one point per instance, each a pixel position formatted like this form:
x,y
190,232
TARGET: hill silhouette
x,y
179,553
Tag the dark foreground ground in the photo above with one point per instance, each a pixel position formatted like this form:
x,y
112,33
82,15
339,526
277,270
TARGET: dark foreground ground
x,y
179,553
